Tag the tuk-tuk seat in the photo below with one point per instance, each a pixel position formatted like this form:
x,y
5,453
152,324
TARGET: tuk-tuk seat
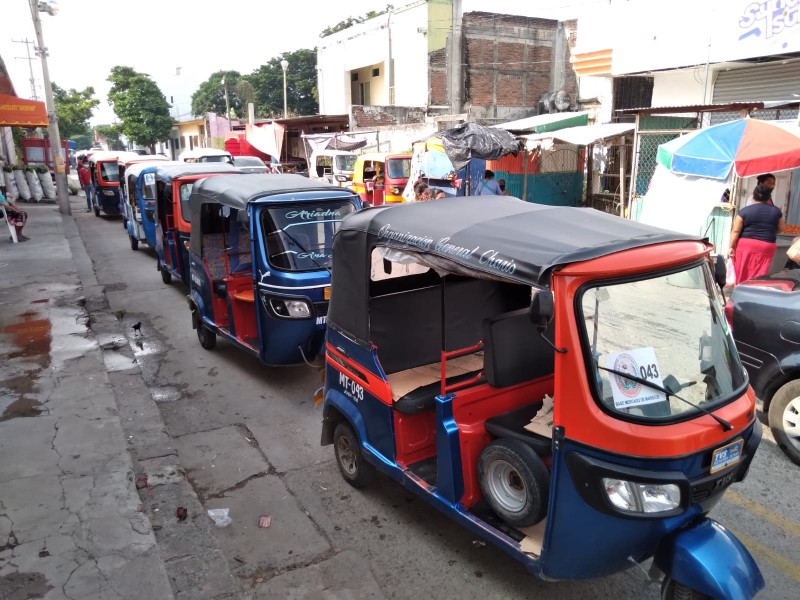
x,y
512,424
415,390
214,259
515,350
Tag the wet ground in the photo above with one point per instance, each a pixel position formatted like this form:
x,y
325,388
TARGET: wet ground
x,y
247,438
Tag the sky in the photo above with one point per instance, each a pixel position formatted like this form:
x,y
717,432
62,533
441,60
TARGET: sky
x,y
180,43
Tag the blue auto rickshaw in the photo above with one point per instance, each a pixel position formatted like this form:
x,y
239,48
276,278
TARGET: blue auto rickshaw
x,y
173,186
260,255
560,381
139,202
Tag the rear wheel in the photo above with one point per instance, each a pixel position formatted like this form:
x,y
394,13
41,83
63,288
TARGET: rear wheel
x,y
134,243
514,482
208,339
166,276
672,590
784,419
355,470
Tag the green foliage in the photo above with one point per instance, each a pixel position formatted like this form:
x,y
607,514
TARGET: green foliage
x,y
111,133
301,85
210,96
74,109
140,106
350,21
83,141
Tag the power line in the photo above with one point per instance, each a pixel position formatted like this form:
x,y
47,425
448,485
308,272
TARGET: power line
x,y
28,43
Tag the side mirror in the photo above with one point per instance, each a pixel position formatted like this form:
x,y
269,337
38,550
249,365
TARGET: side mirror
x,y
720,271
542,309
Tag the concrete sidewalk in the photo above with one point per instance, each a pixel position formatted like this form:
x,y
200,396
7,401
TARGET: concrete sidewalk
x,y
71,520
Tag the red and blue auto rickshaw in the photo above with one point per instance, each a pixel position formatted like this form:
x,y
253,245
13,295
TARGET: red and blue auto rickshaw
x,y
104,167
171,187
560,381
260,257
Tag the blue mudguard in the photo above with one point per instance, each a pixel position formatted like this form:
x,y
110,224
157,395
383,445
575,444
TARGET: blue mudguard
x,y
709,559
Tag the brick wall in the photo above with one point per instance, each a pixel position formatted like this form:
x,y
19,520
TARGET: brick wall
x,y
508,63
437,71
379,116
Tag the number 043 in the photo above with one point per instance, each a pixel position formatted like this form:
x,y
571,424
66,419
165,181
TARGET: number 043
x,y
649,372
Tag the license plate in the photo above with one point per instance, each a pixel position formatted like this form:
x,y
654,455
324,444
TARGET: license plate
x,y
326,293
726,456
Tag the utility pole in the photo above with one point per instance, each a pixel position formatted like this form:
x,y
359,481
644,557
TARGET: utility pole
x,y
62,191
28,43
227,103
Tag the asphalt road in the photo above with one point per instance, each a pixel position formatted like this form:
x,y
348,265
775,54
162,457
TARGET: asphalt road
x,y
248,438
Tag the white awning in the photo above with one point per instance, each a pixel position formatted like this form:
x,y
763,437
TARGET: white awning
x,y
582,135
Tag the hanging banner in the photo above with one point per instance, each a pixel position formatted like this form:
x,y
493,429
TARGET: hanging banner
x,y
18,112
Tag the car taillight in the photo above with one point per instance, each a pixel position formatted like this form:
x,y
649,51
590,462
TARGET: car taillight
x,y
729,313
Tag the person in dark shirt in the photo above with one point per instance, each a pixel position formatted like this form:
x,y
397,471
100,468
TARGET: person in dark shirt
x,y
755,231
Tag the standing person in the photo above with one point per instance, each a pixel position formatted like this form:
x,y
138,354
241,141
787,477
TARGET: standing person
x,y
488,186
421,192
85,179
502,184
16,216
755,231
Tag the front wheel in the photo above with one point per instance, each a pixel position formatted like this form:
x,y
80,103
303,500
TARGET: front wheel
x,y
784,419
96,211
134,243
355,470
166,276
514,481
125,223
672,590
208,339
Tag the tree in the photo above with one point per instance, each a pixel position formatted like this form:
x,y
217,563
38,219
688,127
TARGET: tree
x,y
140,106
111,134
210,96
74,109
350,21
301,84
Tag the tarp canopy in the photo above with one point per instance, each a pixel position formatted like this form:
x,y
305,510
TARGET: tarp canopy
x,y
17,112
546,122
335,141
582,135
267,138
471,140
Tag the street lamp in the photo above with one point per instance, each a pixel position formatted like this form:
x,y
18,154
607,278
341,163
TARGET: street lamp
x,y
62,191
227,102
284,66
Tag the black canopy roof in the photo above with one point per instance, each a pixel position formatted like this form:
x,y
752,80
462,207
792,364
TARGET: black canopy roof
x,y
171,171
486,237
238,192
502,236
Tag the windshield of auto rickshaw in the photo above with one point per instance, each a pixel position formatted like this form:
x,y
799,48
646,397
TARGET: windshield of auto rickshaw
x,y
398,168
345,162
109,172
300,236
149,188
669,330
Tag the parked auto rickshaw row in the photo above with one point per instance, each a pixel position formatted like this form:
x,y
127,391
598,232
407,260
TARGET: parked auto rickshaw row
x,y
561,382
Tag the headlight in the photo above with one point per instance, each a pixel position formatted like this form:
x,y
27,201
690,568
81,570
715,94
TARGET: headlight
x,y
629,496
290,309
395,191
341,178
108,192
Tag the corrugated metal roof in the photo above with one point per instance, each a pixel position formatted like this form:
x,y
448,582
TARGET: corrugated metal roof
x,y
689,108
545,122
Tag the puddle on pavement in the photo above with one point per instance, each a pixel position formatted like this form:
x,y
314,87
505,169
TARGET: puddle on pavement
x,y
116,361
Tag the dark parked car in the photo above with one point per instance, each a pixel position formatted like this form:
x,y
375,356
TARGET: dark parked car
x,y
766,327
